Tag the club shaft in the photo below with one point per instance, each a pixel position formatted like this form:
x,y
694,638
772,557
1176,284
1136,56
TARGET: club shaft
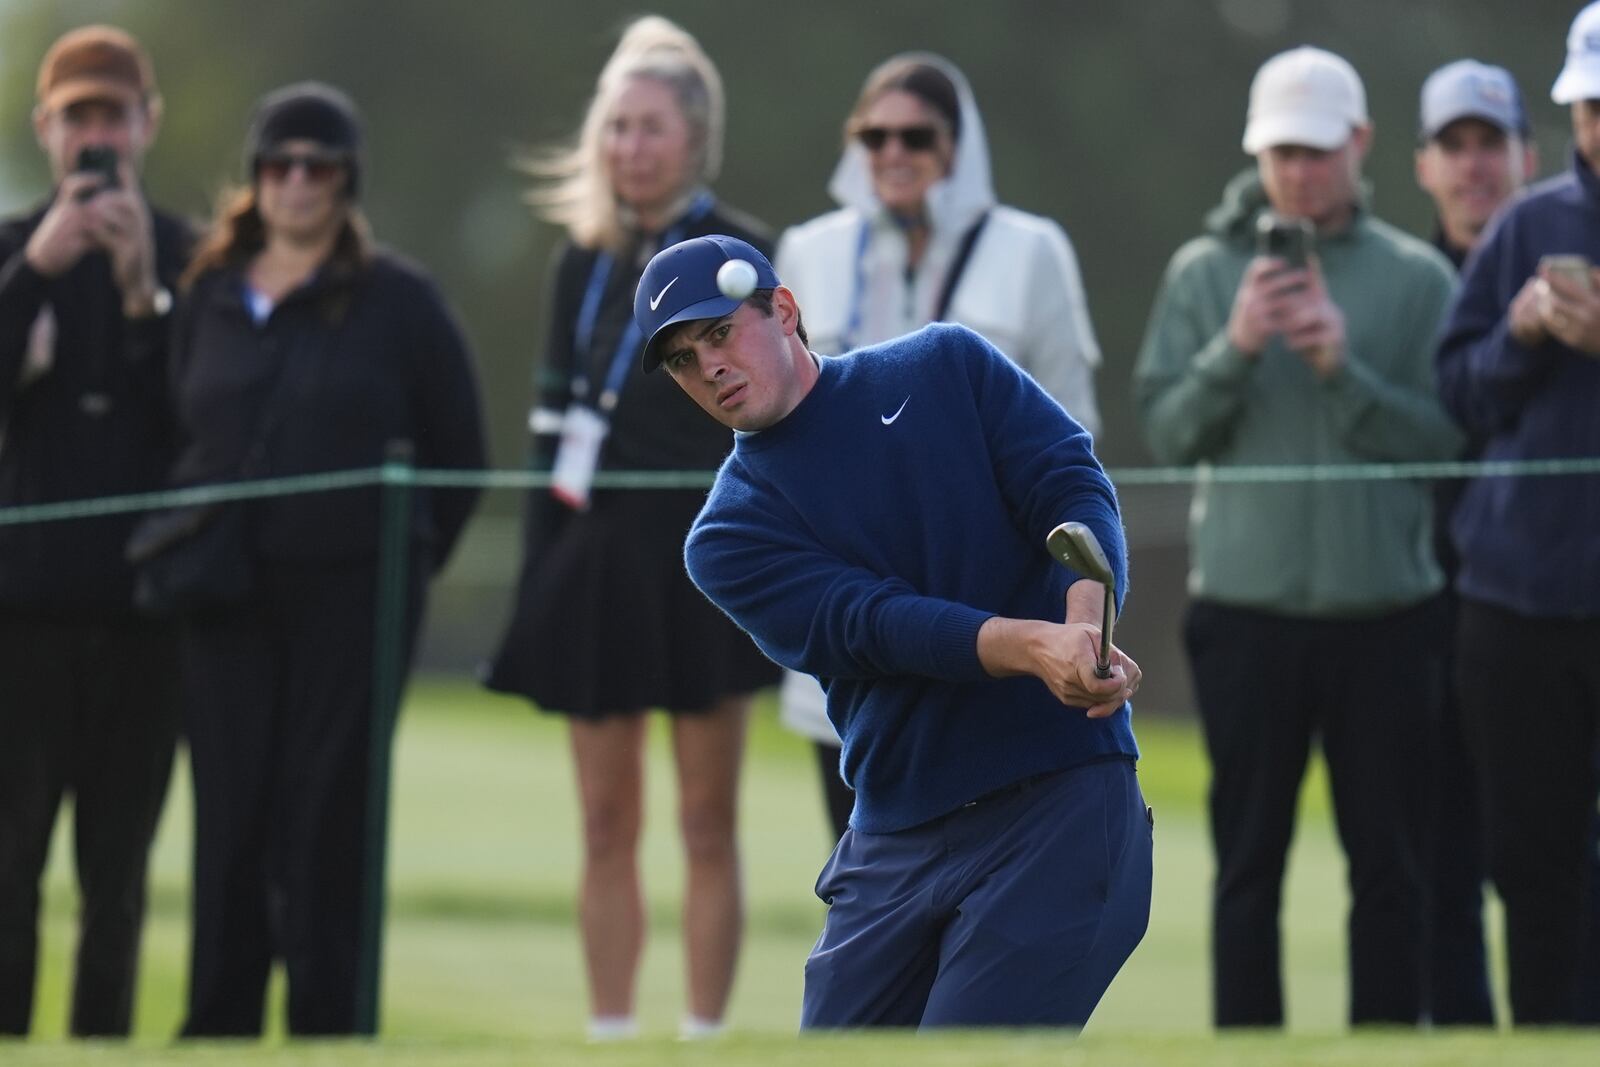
x,y
1102,669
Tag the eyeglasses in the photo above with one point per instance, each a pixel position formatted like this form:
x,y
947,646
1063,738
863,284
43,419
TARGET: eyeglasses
x,y
913,138
277,166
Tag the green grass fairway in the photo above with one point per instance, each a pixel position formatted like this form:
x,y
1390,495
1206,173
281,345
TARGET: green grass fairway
x,y
482,964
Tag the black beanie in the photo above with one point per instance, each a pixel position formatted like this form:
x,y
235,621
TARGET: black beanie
x,y
308,111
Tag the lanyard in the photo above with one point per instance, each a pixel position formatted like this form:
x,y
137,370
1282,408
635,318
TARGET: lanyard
x,y
953,278
628,343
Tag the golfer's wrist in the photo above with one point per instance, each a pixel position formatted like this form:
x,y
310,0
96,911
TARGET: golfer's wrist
x,y
1001,644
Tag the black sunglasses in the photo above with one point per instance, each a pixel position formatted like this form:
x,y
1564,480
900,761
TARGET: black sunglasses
x,y
277,166
913,138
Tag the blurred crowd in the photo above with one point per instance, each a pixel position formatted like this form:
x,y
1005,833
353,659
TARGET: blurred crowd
x,y
1435,642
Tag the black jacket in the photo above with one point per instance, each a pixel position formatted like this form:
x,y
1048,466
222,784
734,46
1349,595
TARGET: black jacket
x,y
95,423
376,357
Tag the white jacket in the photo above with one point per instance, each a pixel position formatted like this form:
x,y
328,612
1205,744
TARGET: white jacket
x,y
1021,289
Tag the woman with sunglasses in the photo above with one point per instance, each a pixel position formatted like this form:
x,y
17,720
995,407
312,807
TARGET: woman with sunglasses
x,y
299,347
606,624
919,238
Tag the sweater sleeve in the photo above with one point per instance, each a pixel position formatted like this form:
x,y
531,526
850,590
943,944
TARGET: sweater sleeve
x,y
1396,416
811,611
1190,383
1059,346
1042,458
1484,375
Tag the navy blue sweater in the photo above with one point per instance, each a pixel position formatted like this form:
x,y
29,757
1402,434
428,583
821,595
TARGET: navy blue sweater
x,y
867,549
1527,544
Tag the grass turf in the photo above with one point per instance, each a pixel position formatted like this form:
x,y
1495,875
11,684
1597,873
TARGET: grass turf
x,y
482,963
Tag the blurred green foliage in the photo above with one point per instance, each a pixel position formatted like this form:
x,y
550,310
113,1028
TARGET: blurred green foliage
x,y
1120,120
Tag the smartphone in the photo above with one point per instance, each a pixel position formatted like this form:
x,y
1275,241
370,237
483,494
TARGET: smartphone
x,y
101,160
1288,239
1574,268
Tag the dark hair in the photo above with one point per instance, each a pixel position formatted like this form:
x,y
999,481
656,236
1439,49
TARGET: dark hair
x,y
237,233
761,300
918,77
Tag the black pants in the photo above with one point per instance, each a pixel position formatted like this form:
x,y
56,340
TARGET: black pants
x,y
89,710
839,798
1456,989
278,703
1267,685
1535,754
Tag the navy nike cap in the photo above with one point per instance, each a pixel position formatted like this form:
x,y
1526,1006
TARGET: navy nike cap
x,y
680,285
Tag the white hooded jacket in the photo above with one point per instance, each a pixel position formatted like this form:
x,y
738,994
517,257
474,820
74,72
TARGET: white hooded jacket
x,y
1021,289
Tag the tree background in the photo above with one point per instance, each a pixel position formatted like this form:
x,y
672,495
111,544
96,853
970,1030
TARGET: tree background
x,y
1122,121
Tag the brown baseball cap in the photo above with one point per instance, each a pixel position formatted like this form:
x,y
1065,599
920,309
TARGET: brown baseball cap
x,y
95,63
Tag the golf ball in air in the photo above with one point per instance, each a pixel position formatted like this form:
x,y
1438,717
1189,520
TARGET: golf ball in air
x,y
736,278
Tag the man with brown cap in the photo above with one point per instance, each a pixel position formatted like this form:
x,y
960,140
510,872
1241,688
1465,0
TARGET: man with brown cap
x,y
89,705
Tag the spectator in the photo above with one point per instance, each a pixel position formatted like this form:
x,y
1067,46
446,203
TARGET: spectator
x,y
1519,366
90,703
293,318
1314,603
920,238
1474,154
606,625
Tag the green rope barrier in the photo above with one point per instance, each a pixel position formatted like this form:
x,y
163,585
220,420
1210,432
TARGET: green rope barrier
x,y
198,494
1122,477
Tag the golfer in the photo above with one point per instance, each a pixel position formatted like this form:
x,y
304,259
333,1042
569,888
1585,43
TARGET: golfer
x,y
880,524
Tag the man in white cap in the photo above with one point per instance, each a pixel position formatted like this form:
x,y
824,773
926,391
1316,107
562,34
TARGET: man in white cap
x,y
1519,366
1314,603
1474,152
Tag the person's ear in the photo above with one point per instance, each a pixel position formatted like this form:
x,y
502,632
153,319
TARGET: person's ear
x,y
786,309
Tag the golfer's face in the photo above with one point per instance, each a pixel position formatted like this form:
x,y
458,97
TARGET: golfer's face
x,y
739,368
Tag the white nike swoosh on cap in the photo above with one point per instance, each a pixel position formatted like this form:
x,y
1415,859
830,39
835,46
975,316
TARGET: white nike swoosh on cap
x,y
888,419
657,301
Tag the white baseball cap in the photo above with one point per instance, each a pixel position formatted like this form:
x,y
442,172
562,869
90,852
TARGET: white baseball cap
x,y
1580,78
1306,96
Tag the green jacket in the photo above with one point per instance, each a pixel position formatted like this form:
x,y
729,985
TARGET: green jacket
x,y
1344,549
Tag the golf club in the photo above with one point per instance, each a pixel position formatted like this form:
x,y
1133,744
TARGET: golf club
x,y
1075,547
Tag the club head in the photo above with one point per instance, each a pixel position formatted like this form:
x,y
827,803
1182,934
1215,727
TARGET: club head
x,y
1074,546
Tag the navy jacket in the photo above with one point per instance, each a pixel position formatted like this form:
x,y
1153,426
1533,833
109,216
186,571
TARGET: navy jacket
x,y
1529,545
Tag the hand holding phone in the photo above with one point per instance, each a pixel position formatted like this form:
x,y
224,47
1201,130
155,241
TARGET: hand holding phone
x,y
101,161
1281,237
1572,268
1268,288
1567,301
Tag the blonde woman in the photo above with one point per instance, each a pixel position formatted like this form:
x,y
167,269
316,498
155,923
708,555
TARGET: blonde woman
x,y
606,625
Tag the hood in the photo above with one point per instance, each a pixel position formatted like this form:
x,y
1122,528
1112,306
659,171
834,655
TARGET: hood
x,y
1244,197
953,202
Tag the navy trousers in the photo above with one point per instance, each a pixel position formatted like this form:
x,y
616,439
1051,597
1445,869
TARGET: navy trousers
x,y
1015,910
